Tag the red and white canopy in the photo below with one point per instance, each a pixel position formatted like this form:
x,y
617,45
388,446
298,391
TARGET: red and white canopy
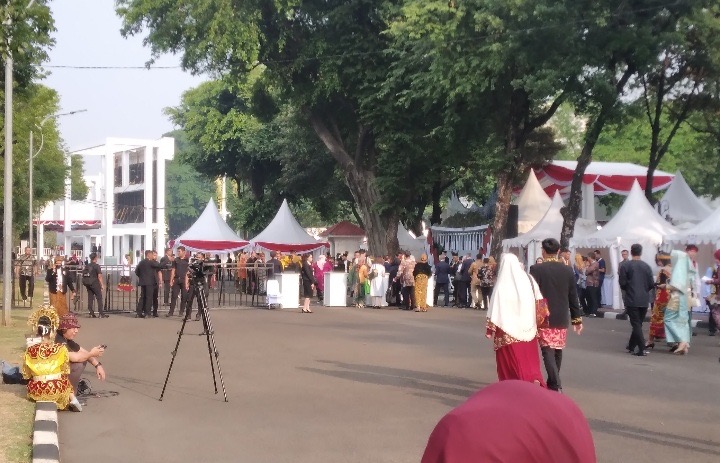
x,y
59,225
210,233
285,234
606,177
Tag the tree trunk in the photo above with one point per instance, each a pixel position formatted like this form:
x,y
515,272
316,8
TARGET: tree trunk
x,y
435,218
502,205
571,212
380,226
652,166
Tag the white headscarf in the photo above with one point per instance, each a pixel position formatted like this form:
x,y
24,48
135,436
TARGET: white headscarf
x,y
512,306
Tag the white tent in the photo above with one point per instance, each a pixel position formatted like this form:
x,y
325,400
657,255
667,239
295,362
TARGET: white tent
x,y
407,242
210,233
680,203
636,222
285,234
550,226
457,205
532,204
706,232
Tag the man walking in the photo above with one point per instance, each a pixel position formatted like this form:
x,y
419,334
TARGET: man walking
x,y
147,272
636,281
557,284
27,269
464,281
179,269
92,279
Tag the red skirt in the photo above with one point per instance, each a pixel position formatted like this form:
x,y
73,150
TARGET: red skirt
x,y
519,360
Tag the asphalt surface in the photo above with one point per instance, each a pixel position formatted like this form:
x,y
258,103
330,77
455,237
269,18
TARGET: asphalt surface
x,y
363,385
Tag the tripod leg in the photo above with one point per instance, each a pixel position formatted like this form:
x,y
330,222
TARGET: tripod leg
x,y
203,311
212,349
174,353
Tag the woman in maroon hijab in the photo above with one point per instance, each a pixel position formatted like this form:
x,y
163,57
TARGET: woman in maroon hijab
x,y
514,422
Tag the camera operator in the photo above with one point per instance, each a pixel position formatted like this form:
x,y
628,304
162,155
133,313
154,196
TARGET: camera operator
x,y
178,272
196,275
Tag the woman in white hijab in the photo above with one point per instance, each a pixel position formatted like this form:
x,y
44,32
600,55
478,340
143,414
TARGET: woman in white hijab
x,y
513,322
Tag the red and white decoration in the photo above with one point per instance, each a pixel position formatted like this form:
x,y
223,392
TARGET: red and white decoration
x,y
210,233
285,234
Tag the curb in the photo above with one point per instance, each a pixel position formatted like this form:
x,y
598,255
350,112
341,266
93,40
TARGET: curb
x,y
623,316
46,446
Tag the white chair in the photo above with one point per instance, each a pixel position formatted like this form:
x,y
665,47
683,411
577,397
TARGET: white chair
x,y
273,294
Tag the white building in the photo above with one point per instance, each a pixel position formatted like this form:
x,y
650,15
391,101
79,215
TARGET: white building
x,y
125,207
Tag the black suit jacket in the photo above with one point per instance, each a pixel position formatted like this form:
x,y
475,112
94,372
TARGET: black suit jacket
x,y
51,279
557,284
146,272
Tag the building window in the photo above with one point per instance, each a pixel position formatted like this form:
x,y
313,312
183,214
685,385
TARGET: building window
x,y
118,169
130,207
137,166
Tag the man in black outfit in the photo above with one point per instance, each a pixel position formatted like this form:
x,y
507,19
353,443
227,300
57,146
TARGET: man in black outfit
x,y
275,264
92,279
177,279
557,284
147,272
166,261
636,281
442,280
455,275
395,285
464,281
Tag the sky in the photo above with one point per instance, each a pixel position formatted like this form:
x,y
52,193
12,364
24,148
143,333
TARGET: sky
x,y
125,103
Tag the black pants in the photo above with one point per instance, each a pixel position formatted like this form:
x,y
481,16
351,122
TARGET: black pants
x,y
166,291
178,289
552,358
155,301
582,295
636,315
486,294
462,293
146,300
194,294
95,294
592,296
29,282
712,324
446,292
408,293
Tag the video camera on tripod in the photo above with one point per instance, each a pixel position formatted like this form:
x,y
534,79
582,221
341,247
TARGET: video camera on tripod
x,y
198,271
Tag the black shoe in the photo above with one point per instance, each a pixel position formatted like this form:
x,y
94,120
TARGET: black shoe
x,y
93,315
155,315
711,334
104,316
139,315
642,353
169,314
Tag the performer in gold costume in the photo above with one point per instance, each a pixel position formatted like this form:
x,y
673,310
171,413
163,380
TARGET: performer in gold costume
x,y
46,363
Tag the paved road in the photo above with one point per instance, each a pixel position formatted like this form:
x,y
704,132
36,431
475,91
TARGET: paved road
x,y
363,385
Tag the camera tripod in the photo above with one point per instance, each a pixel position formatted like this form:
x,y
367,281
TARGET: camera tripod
x,y
209,335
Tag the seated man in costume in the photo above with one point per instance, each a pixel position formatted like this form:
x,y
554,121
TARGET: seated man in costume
x,y
79,357
46,363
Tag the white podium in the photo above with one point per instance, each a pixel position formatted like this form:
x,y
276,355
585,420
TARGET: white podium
x,y
289,290
429,300
335,289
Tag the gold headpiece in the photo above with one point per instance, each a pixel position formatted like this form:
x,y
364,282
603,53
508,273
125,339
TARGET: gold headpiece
x,y
44,311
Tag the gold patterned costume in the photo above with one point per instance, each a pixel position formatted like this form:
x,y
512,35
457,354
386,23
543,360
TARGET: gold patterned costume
x,y
47,364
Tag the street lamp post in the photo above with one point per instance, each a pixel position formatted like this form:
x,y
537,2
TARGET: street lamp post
x,y
32,155
7,199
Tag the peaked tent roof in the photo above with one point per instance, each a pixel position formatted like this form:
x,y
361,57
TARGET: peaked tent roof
x,y
285,234
211,233
607,177
706,232
532,203
550,226
344,228
680,203
636,221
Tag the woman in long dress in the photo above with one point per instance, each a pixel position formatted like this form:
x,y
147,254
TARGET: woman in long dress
x,y
677,311
512,323
422,273
662,296
308,282
59,281
321,267
377,286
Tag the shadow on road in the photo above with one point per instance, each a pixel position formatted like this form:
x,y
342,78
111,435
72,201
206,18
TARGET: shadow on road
x,y
449,390
660,438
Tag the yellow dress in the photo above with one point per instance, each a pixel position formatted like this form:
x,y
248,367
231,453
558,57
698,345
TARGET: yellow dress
x,y
47,366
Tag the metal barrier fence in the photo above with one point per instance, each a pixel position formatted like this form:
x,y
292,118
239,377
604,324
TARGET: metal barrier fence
x,y
228,285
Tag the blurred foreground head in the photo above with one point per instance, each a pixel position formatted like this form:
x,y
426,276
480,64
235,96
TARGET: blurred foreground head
x,y
512,422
